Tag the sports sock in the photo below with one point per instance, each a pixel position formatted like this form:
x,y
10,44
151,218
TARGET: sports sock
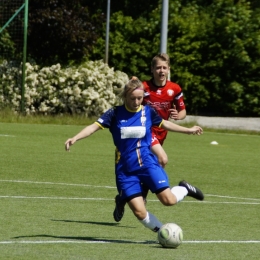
x,y
151,222
179,192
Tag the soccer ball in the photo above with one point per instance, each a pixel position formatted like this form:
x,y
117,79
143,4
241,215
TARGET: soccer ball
x,y
170,235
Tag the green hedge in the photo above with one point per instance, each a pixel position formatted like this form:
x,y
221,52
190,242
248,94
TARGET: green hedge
x,y
89,89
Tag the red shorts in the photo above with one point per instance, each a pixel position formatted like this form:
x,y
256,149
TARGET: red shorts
x,y
155,140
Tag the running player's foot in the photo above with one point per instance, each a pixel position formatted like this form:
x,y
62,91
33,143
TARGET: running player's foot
x,y
119,209
192,191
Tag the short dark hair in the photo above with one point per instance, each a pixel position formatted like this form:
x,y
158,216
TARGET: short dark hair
x,y
160,56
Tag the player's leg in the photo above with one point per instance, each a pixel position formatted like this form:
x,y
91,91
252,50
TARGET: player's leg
x,y
119,210
146,218
120,204
157,180
130,189
138,207
169,197
158,150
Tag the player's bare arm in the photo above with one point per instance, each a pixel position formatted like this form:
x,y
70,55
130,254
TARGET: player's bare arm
x,y
87,131
177,115
195,130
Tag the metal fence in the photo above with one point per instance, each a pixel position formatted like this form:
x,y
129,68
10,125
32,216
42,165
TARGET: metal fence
x,y
13,36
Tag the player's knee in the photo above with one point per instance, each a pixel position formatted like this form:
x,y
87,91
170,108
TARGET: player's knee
x,y
169,203
169,200
140,214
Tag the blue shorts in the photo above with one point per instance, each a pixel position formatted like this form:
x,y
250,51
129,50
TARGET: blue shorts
x,y
129,183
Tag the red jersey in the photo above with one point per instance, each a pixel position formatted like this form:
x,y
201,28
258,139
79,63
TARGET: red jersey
x,y
162,99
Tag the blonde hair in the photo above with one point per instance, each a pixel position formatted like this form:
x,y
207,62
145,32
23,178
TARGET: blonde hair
x,y
132,85
161,56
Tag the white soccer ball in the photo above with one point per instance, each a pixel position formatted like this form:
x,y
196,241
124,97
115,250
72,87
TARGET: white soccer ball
x,y
170,235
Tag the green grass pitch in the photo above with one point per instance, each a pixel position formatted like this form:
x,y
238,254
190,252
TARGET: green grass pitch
x,y
58,205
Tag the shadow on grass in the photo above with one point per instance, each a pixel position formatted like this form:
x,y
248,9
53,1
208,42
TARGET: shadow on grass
x,y
91,222
90,239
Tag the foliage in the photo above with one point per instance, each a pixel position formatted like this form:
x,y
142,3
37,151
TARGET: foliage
x,y
7,46
61,31
214,47
130,43
11,38
217,57
89,89
135,9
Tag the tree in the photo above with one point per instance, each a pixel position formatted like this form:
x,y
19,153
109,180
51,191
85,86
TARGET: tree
x,y
214,49
134,9
61,31
11,38
216,53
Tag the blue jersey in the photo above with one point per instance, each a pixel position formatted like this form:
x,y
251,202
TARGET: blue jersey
x,y
131,133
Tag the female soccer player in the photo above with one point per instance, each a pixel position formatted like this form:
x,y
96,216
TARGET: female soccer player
x,y
166,98
130,125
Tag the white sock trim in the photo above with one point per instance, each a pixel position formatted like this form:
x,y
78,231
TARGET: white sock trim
x,y
179,192
151,222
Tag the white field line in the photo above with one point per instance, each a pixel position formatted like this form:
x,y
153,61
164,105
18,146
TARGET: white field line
x,y
130,241
51,198
59,183
104,199
229,197
222,241
7,135
111,187
245,135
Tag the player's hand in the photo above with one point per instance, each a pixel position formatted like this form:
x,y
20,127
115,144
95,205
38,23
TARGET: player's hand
x,y
196,130
69,143
174,113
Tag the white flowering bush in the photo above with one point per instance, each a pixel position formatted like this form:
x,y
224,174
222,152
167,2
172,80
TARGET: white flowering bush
x,y
90,88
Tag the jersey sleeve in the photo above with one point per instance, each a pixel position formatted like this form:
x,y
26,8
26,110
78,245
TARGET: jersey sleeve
x,y
156,119
179,101
105,120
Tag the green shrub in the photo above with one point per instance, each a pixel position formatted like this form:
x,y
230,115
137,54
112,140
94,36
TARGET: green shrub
x,y
89,89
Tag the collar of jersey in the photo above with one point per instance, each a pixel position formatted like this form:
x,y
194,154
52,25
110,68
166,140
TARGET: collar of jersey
x,y
133,111
158,86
